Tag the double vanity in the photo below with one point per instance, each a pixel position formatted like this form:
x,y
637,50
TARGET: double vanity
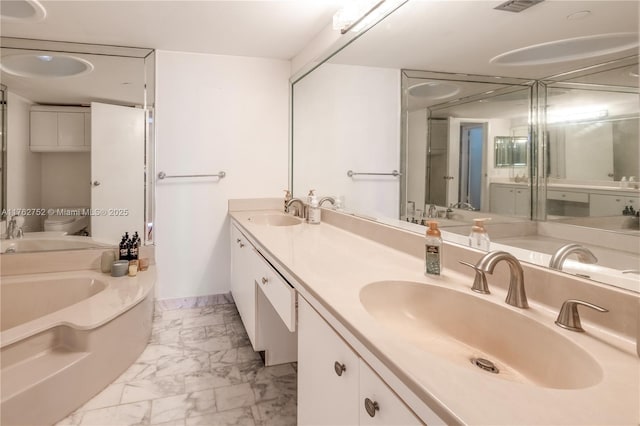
x,y
377,342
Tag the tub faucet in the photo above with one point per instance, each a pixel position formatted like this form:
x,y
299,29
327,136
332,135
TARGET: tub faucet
x,y
300,210
584,255
516,295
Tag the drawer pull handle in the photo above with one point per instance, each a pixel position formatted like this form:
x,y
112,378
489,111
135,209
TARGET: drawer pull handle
x,y
264,280
340,368
238,240
371,407
241,245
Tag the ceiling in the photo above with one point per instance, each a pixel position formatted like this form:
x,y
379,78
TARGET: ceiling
x,y
463,36
277,29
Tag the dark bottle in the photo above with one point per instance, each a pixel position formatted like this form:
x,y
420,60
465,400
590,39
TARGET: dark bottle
x,y
133,250
123,252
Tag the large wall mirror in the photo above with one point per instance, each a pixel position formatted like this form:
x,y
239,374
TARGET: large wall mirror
x,y
439,123
79,144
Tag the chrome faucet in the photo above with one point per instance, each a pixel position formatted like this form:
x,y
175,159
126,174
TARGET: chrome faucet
x,y
432,211
11,229
329,199
462,205
300,210
584,255
516,295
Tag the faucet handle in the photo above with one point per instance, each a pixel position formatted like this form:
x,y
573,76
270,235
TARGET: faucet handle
x,y
569,317
480,281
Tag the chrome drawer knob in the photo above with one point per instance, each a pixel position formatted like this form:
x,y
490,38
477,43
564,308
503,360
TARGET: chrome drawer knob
x,y
340,368
264,280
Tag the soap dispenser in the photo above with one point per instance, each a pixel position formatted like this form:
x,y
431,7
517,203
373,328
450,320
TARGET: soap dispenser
x,y
479,238
314,208
433,250
287,198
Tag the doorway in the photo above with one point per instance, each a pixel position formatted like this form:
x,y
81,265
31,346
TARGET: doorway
x,y
472,142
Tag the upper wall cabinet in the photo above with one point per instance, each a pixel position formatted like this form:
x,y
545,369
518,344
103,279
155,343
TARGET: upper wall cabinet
x,y
60,129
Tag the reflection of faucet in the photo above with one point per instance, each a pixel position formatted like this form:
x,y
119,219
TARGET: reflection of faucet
x,y
516,295
462,205
11,229
432,211
584,255
329,199
299,207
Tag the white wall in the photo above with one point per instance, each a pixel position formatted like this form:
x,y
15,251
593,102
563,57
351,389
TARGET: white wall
x,y
348,118
23,166
213,113
65,179
416,157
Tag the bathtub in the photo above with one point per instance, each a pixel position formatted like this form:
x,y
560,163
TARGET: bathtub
x,y
41,241
70,331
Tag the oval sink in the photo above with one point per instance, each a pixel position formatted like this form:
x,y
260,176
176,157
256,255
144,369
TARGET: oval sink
x,y
462,328
275,220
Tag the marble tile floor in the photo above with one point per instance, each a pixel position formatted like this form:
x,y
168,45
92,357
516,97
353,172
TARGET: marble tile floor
x,y
198,369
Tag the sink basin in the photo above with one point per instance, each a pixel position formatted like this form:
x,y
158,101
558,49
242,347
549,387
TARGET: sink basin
x,y
275,220
463,327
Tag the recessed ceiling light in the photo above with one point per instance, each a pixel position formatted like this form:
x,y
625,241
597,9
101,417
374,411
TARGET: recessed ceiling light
x,y
434,90
47,66
576,16
22,10
569,49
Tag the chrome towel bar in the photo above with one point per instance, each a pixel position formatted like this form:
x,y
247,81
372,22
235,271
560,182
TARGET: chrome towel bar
x,y
163,175
351,173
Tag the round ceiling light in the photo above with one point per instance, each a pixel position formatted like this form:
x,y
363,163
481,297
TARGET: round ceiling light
x,y
569,49
434,90
22,10
45,65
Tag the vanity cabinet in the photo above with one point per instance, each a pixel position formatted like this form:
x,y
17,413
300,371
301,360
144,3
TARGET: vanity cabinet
x,y
60,129
335,386
265,301
511,200
611,204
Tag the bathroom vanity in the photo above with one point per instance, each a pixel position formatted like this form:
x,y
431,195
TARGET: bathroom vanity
x,y
380,343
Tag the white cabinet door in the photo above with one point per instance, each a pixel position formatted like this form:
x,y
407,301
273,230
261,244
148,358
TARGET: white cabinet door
x,y
502,199
327,373
610,205
71,129
117,171
379,405
243,286
44,129
522,201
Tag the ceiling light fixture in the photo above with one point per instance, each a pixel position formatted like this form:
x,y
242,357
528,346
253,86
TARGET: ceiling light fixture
x,y
576,115
45,66
359,14
576,16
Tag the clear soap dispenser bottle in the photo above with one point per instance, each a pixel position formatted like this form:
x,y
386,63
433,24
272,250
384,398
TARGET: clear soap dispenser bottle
x,y
314,208
287,198
433,250
479,238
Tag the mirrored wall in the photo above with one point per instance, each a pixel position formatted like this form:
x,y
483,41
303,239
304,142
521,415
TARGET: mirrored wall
x,y
79,152
511,145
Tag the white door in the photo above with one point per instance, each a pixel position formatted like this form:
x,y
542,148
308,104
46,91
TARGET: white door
x,y
117,171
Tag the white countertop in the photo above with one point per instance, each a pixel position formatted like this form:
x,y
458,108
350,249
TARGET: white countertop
x,y
334,265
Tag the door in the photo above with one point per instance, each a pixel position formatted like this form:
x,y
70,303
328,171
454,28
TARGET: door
x,y
471,164
117,171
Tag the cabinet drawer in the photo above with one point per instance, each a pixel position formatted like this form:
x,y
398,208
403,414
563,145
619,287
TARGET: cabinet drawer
x,y
279,293
577,197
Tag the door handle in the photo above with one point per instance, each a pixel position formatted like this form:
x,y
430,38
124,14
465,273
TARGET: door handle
x,y
96,183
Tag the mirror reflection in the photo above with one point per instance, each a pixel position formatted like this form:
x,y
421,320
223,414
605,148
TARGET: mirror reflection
x,y
78,123
474,146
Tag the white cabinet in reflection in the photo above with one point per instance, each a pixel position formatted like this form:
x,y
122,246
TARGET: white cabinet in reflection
x,y
611,204
510,200
60,129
